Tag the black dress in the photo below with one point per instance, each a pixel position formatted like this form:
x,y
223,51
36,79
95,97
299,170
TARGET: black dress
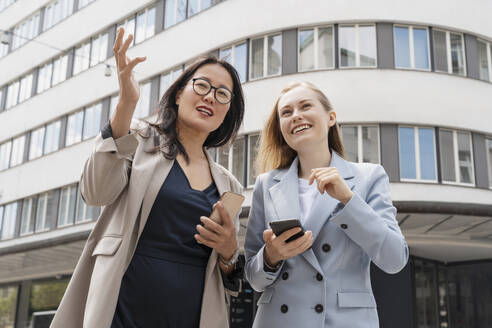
x,y
163,284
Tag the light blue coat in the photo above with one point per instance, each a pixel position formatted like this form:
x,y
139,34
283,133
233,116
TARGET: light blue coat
x,y
328,285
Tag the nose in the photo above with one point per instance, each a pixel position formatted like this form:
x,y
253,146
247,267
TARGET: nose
x,y
296,115
209,97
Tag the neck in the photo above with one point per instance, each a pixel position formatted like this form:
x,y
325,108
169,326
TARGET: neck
x,y
192,142
312,158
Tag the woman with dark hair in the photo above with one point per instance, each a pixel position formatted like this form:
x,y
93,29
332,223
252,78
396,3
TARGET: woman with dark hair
x,y
154,258
320,279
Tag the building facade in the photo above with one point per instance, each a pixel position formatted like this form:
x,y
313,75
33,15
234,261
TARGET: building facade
x,y
411,83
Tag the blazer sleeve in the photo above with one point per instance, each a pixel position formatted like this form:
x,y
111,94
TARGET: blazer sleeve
x,y
107,170
371,223
254,245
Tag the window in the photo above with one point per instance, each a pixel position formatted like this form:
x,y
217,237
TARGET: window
x,y
238,153
68,200
8,299
361,143
145,25
46,295
36,146
74,128
28,216
488,143
81,60
411,47
46,210
236,55
12,95
129,26
5,149
57,11
25,31
44,77
99,49
18,151
84,211
60,69
456,157
92,121
83,3
253,141
52,137
9,219
143,105
449,52
417,154
4,4
484,60
357,45
167,79
175,12
25,87
316,48
266,56
4,49
195,6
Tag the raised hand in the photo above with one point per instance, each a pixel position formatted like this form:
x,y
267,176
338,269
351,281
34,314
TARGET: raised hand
x,y
329,180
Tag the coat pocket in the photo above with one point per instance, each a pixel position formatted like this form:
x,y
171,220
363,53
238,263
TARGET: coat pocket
x,y
266,296
107,245
356,299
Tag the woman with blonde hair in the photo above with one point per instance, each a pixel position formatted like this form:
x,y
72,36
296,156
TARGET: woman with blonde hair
x,y
321,279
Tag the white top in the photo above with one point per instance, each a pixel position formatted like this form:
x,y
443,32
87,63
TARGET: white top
x,y
307,196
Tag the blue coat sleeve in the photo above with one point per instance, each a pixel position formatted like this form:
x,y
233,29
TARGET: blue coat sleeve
x,y
371,223
254,245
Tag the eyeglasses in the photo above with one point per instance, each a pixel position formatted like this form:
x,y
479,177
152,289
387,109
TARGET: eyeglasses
x,y
202,87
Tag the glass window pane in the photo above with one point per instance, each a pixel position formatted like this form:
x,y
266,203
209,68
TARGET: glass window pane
x,y
370,144
274,54
8,299
489,158
407,153
457,54
256,69
223,156
181,12
447,155
74,128
238,159
240,60
95,51
483,61
349,137
169,12
52,138
140,32
103,47
150,25
306,50
9,221
252,153
427,154
12,94
226,54
402,46
36,145
25,88
325,47
347,46
143,106
46,295
440,51
92,121
27,223
465,157
5,150
192,7
420,48
367,45
18,150
41,212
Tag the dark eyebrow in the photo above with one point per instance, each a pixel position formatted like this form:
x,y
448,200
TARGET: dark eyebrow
x,y
205,78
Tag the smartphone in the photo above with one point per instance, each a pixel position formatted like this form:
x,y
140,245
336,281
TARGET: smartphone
x,y
232,203
283,225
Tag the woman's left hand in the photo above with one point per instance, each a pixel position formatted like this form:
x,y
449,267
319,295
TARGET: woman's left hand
x,y
221,237
329,180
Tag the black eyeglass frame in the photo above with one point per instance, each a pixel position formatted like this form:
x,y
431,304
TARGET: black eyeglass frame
x,y
211,87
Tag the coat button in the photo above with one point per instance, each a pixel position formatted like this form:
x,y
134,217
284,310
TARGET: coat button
x,y
285,275
319,276
326,248
284,308
319,308
343,226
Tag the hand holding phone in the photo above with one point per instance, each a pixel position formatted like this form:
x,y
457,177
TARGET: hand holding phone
x,y
232,203
280,226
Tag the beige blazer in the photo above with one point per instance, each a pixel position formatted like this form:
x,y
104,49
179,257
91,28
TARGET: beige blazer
x,y
124,179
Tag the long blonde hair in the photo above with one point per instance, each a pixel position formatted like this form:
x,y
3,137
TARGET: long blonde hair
x,y
274,153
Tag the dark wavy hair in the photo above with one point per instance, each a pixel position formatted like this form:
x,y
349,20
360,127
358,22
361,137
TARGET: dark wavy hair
x,y
167,114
